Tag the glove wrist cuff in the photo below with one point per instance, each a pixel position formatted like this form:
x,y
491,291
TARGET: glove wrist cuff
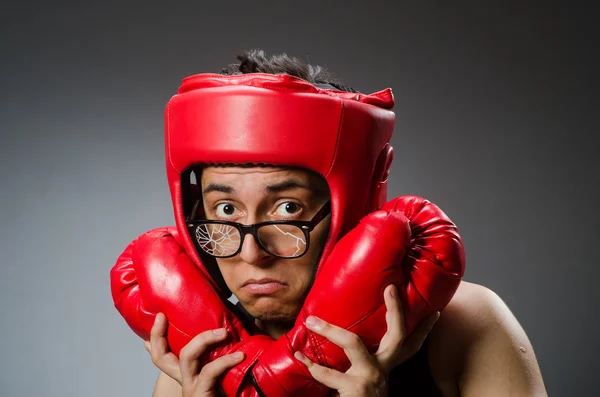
x,y
252,347
279,374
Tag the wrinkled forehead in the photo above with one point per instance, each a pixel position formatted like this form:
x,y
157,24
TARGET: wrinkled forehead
x,y
262,179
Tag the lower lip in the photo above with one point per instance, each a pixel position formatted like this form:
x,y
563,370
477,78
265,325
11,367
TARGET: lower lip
x,y
263,289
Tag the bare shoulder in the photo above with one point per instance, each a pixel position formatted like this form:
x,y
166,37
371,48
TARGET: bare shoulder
x,y
478,347
473,309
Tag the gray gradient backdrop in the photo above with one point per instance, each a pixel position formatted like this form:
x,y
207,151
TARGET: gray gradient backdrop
x,y
495,123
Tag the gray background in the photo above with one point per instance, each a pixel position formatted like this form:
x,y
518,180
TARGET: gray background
x,y
495,123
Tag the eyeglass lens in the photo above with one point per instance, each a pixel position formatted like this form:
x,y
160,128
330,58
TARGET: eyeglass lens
x,y
217,239
222,240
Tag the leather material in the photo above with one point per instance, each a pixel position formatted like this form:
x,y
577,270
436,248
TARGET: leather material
x,y
282,120
409,242
155,275
261,118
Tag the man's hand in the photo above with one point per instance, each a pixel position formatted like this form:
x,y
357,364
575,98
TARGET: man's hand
x,y
194,381
368,373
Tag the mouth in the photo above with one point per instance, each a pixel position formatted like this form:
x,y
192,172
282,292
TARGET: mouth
x,y
264,286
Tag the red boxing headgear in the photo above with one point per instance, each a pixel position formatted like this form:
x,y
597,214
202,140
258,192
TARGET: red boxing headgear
x,y
282,120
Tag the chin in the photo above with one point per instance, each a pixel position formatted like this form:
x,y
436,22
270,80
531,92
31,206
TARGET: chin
x,y
273,313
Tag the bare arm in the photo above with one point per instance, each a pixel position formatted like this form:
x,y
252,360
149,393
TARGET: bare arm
x,y
480,349
167,387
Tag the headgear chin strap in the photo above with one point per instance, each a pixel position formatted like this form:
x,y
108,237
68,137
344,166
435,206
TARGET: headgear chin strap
x,y
280,120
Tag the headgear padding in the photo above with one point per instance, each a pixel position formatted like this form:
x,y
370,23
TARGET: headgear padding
x,y
284,121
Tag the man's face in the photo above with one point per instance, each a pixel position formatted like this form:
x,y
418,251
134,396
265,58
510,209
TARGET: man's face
x,y
269,288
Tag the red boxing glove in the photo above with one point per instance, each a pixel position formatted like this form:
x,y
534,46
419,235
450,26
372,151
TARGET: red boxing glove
x,y
409,242
154,275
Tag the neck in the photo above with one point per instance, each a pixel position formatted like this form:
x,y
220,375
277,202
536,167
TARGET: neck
x,y
274,329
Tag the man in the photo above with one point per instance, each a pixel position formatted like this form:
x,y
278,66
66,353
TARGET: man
x,y
476,348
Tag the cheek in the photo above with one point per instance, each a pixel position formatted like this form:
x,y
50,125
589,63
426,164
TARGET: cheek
x,y
318,238
306,265
228,272
299,273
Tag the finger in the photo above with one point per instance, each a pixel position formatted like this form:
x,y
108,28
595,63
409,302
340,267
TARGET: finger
x,y
351,343
189,355
211,372
147,345
414,342
393,338
165,360
327,376
158,340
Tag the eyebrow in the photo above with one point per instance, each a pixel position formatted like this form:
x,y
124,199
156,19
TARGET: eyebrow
x,y
275,188
215,187
286,185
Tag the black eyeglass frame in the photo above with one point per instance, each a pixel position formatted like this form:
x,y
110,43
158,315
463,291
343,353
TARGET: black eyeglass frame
x,y
305,226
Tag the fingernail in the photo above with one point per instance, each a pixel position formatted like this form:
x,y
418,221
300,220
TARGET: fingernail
x,y
313,322
433,319
219,332
299,356
238,355
156,319
393,291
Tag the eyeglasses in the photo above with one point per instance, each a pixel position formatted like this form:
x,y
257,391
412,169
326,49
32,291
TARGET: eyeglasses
x,y
282,239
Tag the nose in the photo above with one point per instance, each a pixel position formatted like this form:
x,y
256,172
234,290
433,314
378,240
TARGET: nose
x,y
252,253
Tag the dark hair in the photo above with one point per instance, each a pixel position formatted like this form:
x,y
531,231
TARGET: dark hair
x,y
256,61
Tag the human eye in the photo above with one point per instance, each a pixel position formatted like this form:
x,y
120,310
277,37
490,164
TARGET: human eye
x,y
288,209
225,210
